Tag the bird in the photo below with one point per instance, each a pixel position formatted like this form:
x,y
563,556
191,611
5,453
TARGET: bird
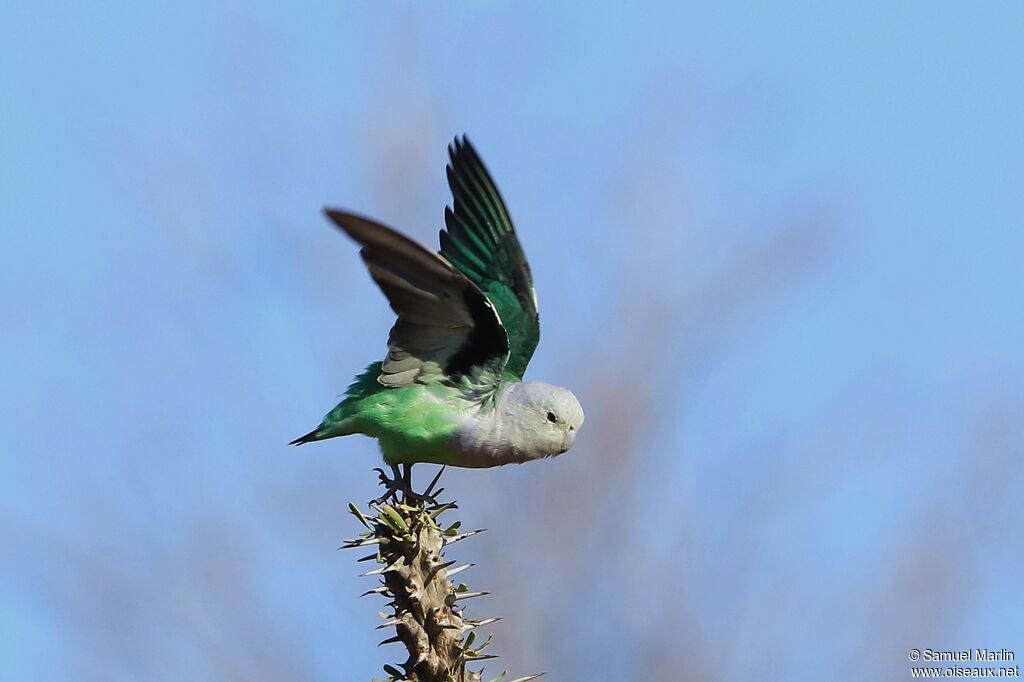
x,y
450,389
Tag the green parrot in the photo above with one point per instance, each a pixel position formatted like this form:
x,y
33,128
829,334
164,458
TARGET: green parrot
x,y
450,390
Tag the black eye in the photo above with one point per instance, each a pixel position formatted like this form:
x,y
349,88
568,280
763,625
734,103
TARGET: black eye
x,y
552,418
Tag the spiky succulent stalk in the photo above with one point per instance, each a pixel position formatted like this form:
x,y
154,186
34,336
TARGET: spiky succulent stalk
x,y
425,605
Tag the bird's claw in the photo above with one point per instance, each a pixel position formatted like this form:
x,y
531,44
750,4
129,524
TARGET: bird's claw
x,y
391,485
401,482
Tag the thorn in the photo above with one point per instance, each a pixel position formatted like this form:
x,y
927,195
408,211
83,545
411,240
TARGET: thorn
x,y
459,569
460,596
377,590
390,640
384,569
479,623
365,542
485,657
430,487
462,536
389,623
528,677
435,570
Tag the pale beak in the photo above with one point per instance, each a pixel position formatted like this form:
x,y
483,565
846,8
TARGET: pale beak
x,y
567,440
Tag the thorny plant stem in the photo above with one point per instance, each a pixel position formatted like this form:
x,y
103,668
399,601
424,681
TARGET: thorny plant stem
x,y
425,605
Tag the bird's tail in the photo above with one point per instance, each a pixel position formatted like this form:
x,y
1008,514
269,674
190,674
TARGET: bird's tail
x,y
329,429
308,438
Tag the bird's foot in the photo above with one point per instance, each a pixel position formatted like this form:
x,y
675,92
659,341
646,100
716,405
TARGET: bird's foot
x,y
401,482
392,485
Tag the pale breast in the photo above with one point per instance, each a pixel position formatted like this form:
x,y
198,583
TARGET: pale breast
x,y
482,442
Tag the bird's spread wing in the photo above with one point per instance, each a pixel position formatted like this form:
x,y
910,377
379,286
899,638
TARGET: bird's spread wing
x,y
446,327
481,242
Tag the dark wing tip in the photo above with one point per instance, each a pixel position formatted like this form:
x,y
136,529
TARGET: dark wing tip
x,y
342,219
362,230
370,233
338,217
461,146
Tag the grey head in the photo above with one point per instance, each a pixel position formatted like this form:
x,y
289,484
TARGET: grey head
x,y
538,419
529,421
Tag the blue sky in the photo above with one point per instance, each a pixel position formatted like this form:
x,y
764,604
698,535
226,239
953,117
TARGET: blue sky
x,y
794,230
